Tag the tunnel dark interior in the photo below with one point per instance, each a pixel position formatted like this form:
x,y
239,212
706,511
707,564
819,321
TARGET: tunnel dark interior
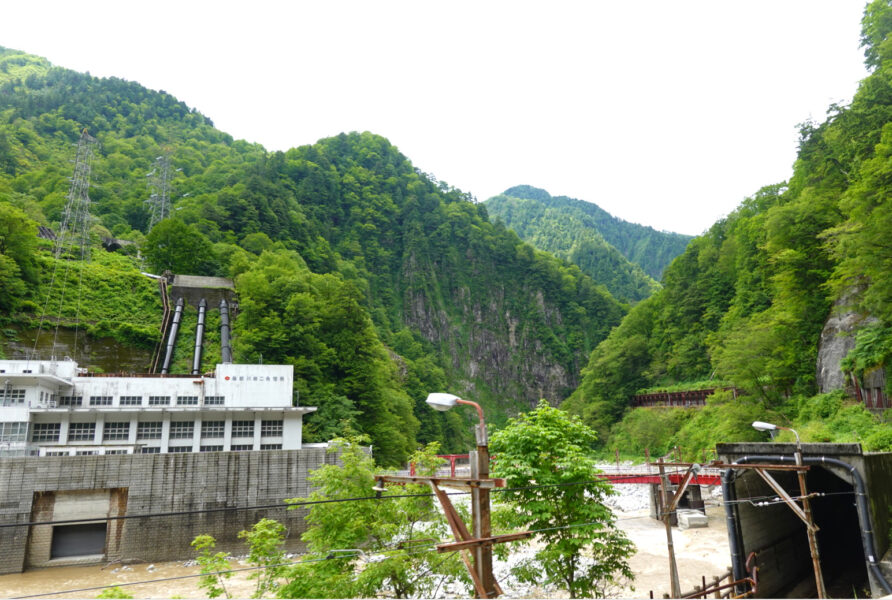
x,y
772,530
839,537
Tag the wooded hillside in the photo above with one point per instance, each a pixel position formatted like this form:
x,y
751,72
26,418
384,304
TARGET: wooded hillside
x,y
378,283
747,301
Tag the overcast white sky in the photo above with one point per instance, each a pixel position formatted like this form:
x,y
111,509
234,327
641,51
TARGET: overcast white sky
x,y
663,113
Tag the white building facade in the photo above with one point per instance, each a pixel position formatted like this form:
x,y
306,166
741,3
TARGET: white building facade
x,y
54,408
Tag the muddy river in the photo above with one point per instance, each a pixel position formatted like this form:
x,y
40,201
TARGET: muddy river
x,y
68,580
700,552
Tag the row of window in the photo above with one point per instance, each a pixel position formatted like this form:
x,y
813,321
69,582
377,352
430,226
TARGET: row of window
x,y
137,400
170,449
10,396
145,430
13,432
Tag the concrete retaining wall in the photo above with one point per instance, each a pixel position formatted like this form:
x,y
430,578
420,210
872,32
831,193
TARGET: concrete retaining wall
x,y
138,484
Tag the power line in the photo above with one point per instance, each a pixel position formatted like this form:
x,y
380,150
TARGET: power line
x,y
285,505
330,555
422,546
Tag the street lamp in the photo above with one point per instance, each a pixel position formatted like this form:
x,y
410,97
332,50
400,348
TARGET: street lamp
x,y
480,510
806,507
443,402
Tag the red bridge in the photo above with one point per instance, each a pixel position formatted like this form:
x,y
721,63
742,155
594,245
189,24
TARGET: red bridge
x,y
647,473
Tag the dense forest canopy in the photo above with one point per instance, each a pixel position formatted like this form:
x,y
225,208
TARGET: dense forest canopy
x,y
585,233
571,229
747,301
376,281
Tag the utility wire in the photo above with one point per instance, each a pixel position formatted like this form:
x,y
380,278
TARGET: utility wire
x,y
286,505
427,546
331,555
279,505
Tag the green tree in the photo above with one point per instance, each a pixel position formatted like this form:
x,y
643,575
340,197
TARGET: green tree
x,y
875,27
547,459
178,247
18,240
371,547
266,540
214,567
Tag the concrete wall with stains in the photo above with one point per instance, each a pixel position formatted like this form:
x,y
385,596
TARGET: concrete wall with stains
x,y
203,493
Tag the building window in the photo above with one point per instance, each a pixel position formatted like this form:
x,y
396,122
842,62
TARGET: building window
x,y
242,447
57,453
150,450
176,449
212,448
116,431
271,428
13,432
213,400
85,453
181,429
130,400
212,429
100,400
159,400
187,400
8,397
45,432
116,451
243,429
83,432
270,446
71,400
150,430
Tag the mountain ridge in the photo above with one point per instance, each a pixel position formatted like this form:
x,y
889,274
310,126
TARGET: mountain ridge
x,y
376,282
649,248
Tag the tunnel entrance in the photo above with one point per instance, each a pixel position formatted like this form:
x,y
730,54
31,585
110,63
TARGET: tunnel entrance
x,y
768,527
839,538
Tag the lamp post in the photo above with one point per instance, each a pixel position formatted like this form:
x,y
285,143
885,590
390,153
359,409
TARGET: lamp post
x,y
806,507
480,509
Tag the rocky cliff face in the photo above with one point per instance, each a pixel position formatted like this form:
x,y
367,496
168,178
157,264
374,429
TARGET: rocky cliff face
x,y
494,347
837,339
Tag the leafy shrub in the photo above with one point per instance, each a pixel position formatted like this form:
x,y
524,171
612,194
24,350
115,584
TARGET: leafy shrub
x,y
648,428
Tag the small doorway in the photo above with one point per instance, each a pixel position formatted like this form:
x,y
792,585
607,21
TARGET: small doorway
x,y
78,540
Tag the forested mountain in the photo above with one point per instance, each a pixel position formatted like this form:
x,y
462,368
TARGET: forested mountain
x,y
747,301
570,233
586,232
376,282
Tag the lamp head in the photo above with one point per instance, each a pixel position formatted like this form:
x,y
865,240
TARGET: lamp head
x,y
762,426
441,401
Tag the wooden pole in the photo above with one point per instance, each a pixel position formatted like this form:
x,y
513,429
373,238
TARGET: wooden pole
x,y
673,569
810,526
481,516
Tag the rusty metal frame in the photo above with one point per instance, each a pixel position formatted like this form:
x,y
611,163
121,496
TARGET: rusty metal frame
x,y
464,541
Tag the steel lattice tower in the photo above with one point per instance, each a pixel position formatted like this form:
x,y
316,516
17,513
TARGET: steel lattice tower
x,y
75,228
159,190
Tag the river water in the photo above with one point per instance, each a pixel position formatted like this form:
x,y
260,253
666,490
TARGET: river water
x,y
67,580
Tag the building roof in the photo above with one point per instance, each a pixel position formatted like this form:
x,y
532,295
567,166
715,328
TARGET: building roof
x,y
198,281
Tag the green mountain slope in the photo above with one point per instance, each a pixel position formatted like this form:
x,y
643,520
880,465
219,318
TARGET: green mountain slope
x,y
567,232
747,301
378,284
559,222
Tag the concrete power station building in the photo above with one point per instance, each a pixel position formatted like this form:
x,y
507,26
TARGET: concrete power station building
x,y
50,408
88,461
